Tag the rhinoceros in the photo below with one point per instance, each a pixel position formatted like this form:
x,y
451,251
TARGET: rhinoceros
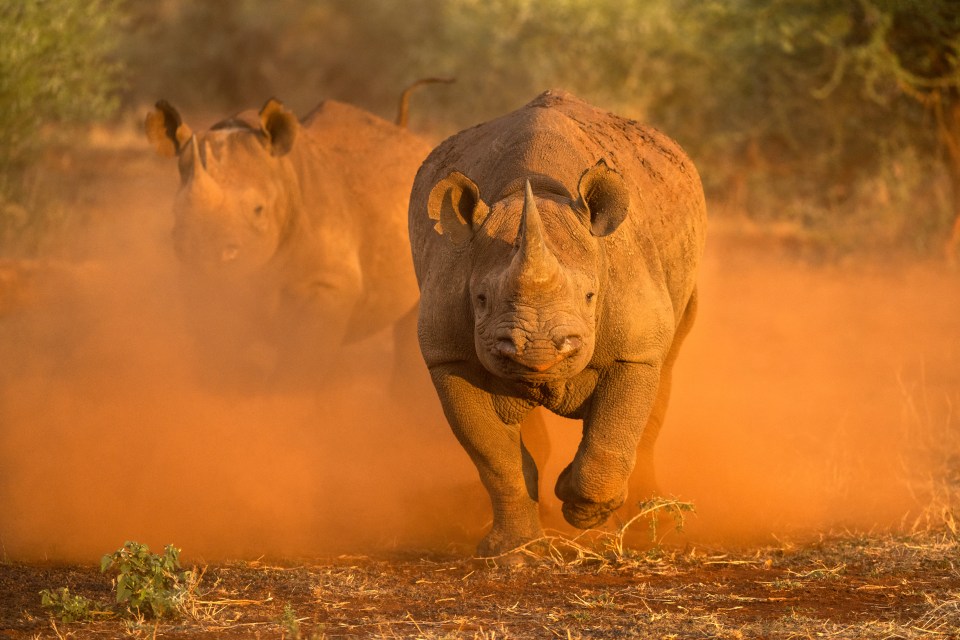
x,y
292,235
556,251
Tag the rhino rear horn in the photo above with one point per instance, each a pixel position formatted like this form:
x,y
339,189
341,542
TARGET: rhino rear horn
x,y
456,205
604,198
280,126
165,129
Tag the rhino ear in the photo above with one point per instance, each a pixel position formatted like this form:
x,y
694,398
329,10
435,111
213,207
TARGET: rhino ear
x,y
280,127
166,130
456,206
604,197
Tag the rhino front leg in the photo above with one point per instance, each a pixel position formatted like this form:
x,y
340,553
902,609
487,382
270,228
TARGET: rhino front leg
x,y
594,485
314,320
507,470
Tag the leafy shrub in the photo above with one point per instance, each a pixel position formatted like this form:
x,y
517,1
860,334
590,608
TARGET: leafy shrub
x,y
289,623
55,67
68,607
840,118
148,583
810,111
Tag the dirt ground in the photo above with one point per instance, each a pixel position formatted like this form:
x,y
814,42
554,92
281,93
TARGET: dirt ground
x,y
814,426
850,587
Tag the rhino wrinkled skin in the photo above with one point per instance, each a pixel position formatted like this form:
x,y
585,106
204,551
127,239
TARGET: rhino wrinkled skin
x,y
556,250
299,227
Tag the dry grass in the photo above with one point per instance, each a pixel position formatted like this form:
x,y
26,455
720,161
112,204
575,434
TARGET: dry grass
x,y
846,586
931,468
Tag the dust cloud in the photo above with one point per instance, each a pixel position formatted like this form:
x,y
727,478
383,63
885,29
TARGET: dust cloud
x,y
810,399
805,399
113,428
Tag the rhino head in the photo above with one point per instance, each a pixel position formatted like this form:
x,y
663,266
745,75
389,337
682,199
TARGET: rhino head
x,y
537,268
234,199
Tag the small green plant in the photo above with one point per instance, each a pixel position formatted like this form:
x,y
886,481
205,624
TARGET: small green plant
x,y
148,583
289,623
66,606
654,507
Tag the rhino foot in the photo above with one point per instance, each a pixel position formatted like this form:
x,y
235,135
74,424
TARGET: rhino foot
x,y
500,542
581,512
587,515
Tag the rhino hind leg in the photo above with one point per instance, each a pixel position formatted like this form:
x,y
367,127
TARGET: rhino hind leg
x,y
643,482
536,441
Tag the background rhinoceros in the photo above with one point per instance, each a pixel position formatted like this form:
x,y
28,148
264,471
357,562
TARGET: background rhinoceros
x,y
556,250
292,235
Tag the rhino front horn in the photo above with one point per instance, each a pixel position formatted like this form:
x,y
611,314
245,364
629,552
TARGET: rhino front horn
x,y
196,163
534,263
202,185
197,171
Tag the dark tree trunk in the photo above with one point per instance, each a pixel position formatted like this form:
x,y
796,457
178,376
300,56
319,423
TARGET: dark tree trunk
x,y
949,124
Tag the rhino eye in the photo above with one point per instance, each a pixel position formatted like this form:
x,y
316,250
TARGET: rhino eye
x,y
258,210
590,295
481,298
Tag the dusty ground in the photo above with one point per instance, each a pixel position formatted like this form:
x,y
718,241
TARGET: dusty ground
x,y
814,427
850,587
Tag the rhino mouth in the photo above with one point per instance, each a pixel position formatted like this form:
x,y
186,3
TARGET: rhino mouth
x,y
535,359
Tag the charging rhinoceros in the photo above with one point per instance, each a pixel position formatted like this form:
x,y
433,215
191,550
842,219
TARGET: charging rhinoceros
x,y
556,250
292,236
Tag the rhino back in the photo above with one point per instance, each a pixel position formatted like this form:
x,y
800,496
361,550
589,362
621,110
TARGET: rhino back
x,y
371,162
659,246
651,258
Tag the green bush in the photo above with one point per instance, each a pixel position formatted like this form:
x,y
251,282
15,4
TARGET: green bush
x,y
840,117
68,607
55,67
56,70
148,583
826,114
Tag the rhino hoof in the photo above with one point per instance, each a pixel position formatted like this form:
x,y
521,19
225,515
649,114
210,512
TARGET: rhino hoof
x,y
499,543
587,515
580,511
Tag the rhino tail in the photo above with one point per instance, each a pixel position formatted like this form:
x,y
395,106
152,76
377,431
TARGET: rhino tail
x,y
403,110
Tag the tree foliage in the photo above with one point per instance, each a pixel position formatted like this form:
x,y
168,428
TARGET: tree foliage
x,y
829,113
55,67
841,116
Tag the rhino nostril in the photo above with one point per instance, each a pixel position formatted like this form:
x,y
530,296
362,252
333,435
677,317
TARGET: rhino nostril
x,y
506,347
569,344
